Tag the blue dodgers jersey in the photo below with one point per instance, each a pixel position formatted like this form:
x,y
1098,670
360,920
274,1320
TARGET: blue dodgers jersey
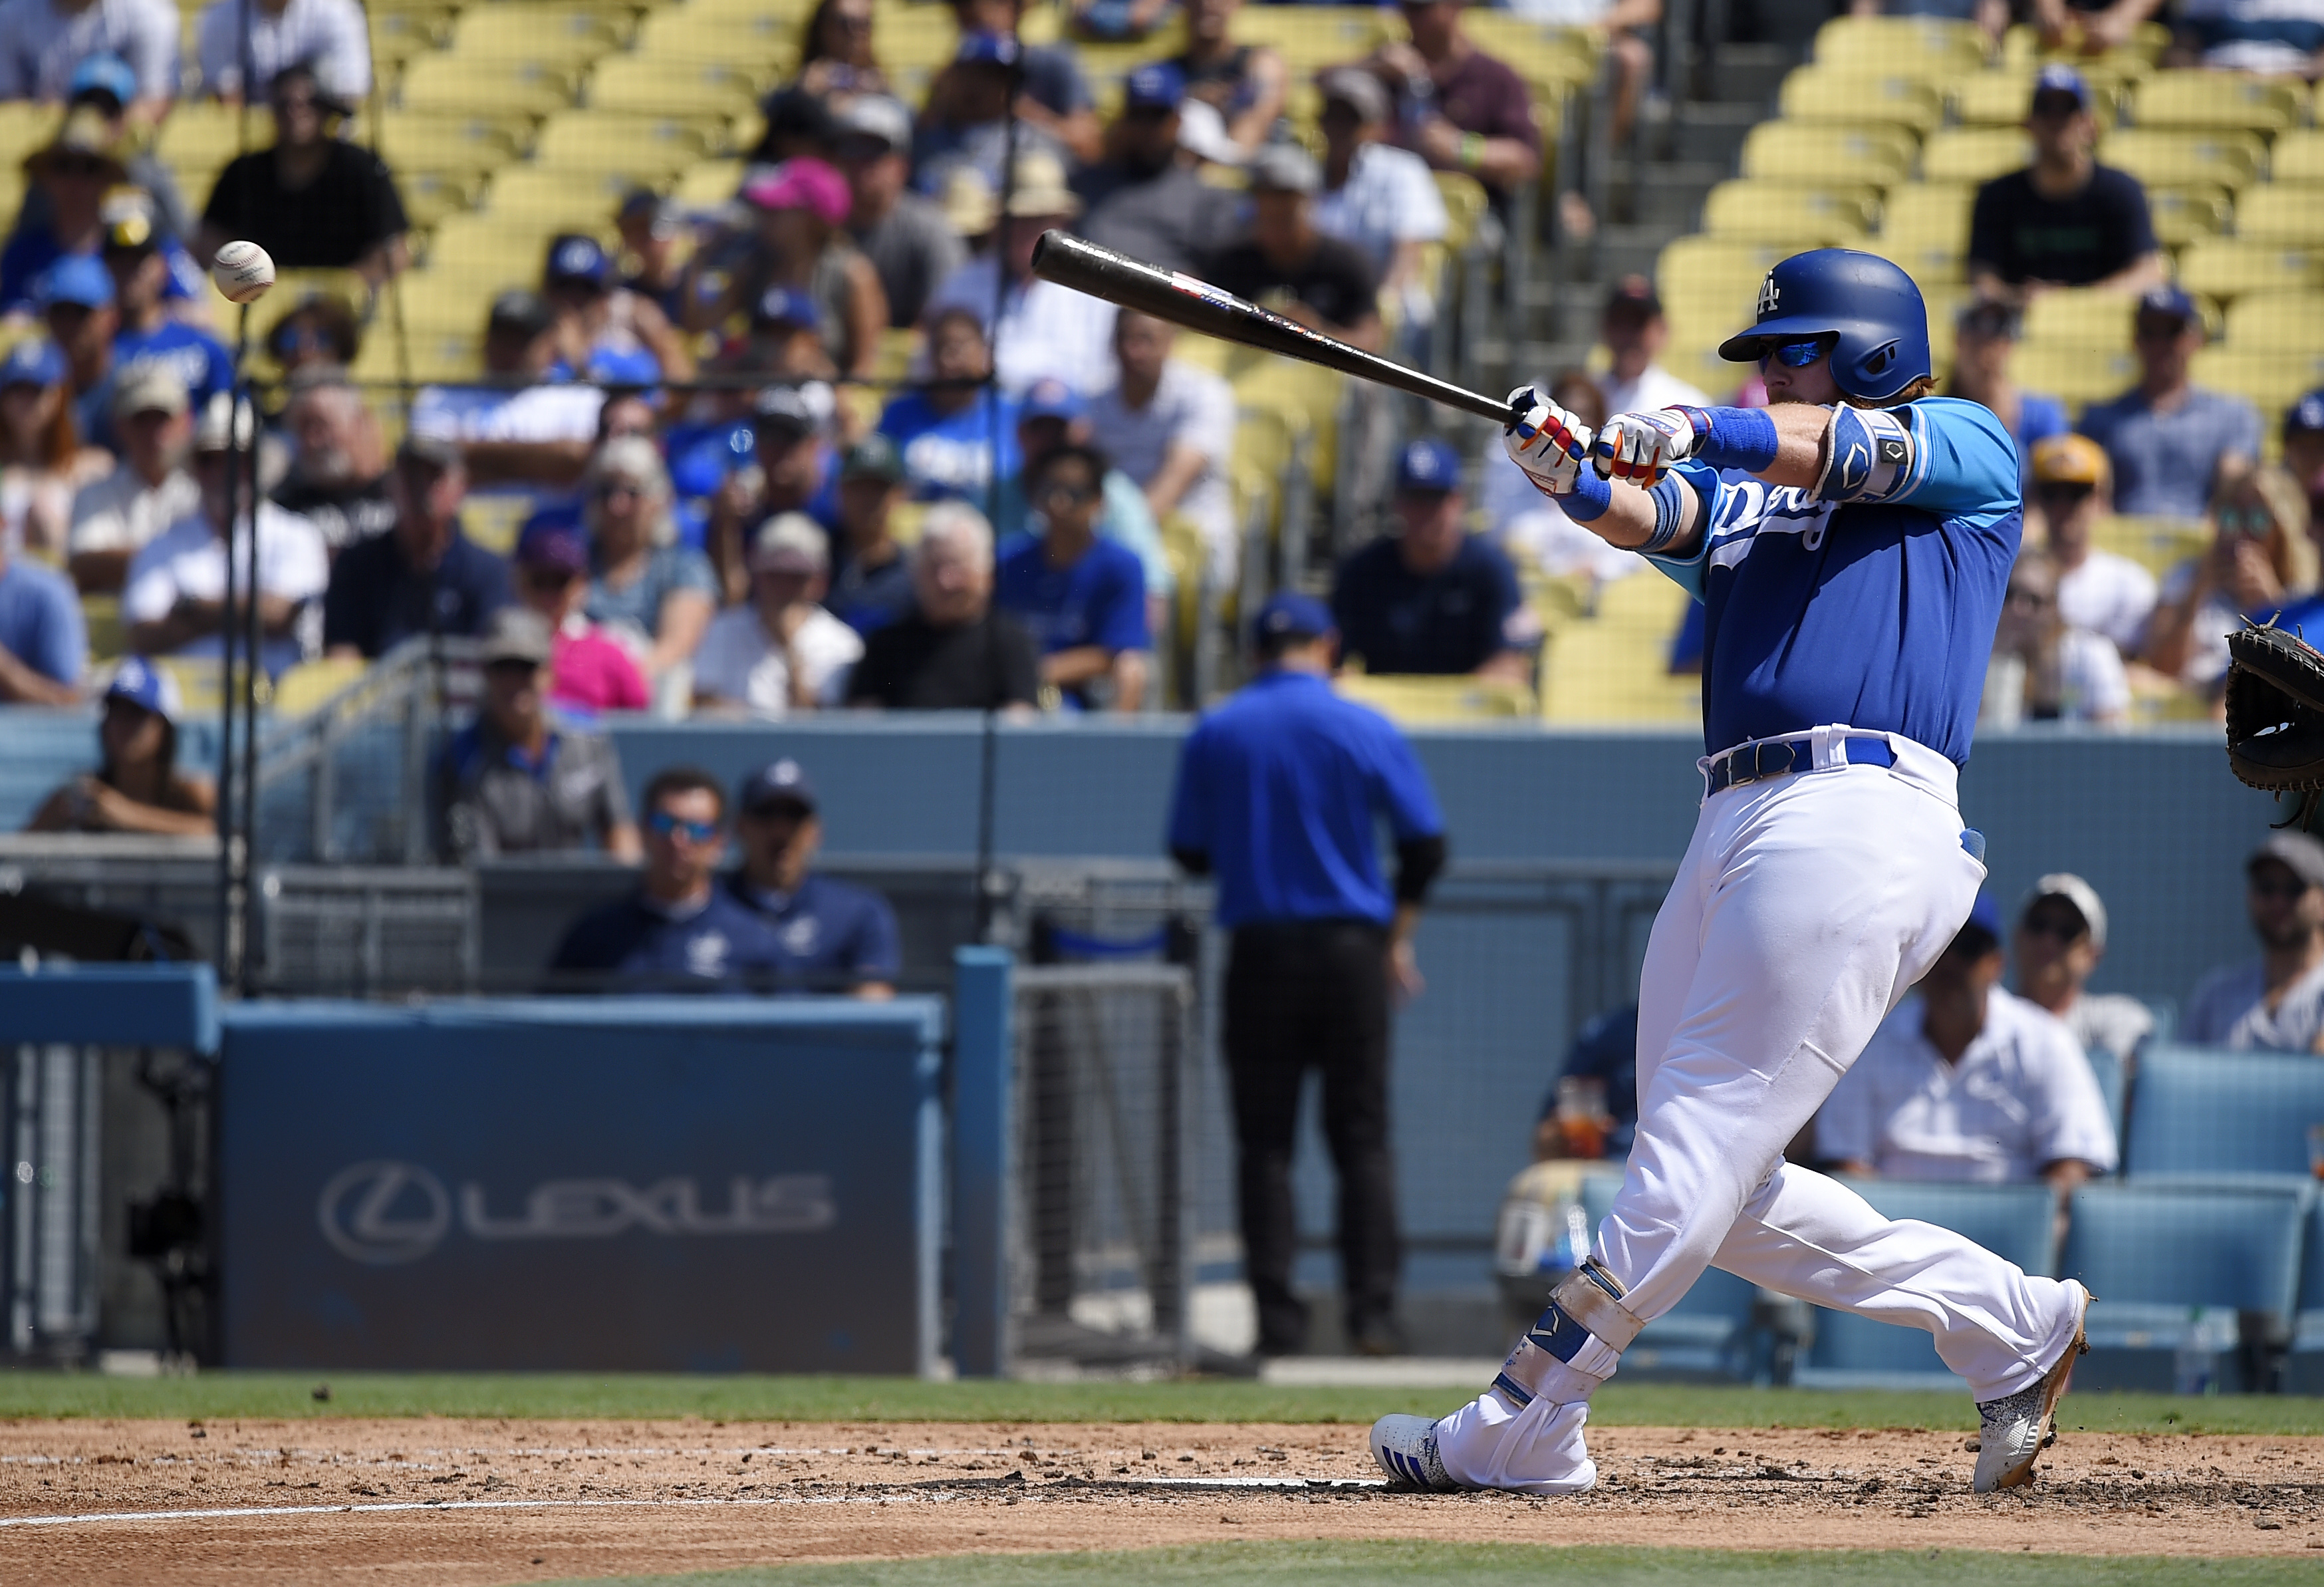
x,y
1876,615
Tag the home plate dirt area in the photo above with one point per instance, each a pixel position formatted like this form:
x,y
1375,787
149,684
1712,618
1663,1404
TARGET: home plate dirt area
x,y
445,1500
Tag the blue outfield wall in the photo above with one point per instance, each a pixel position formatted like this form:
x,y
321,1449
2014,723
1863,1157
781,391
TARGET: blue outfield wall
x,y
2155,820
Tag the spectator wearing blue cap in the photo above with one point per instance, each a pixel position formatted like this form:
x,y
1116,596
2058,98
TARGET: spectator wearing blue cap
x,y
2303,452
2065,220
107,86
43,43
519,428
74,297
906,236
314,202
1082,597
1053,415
1052,98
138,785
605,333
589,672
41,460
955,434
872,586
242,44
965,125
424,576
43,646
1434,599
1967,1082
1144,198
831,936
140,259
680,931
2170,443
1291,265
1280,793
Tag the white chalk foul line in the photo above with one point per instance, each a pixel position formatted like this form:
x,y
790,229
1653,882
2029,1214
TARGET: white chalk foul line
x,y
906,1496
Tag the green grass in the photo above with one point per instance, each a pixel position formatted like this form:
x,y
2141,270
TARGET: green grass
x,y
227,1394
1504,1564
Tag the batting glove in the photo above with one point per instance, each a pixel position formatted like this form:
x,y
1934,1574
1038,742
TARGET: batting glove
x,y
1640,448
1547,442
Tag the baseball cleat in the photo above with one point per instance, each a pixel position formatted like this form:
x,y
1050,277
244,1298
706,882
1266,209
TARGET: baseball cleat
x,y
2013,1430
1406,1448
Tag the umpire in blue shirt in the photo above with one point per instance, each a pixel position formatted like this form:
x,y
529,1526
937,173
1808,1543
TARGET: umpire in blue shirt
x,y
1279,795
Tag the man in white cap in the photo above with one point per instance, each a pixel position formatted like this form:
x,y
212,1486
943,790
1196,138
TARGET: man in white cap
x,y
114,518
780,651
905,235
1044,328
2061,935
2275,1002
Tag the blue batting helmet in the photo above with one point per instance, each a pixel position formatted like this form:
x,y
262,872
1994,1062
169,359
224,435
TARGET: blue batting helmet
x,y
1869,305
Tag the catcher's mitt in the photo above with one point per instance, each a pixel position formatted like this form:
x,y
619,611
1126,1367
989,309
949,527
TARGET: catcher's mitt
x,y
2276,714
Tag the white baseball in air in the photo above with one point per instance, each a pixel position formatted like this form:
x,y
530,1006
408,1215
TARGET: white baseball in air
x,y
242,271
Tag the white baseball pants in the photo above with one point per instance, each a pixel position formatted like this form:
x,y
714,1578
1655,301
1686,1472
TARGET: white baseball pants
x,y
1806,907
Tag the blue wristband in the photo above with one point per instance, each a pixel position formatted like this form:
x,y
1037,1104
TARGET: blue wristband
x,y
1669,498
1740,438
1589,498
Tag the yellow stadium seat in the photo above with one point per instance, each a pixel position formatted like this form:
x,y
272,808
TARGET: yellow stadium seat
x,y
549,33
458,85
1842,94
2270,379
493,518
645,85
2216,99
199,138
429,196
1422,701
648,147
1993,98
2229,267
1312,36
1778,212
921,35
1786,151
2269,322
2182,214
1928,206
310,684
1465,205
424,356
1974,153
2155,544
471,142
2297,156
1614,666
24,125
1930,48
754,35
556,199
107,636
1925,229
1291,387
2163,158
505,249
396,36
2270,213
2076,375
1707,284
2083,316
708,184
1537,50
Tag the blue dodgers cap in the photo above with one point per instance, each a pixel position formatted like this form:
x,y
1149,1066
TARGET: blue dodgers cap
x,y
1984,918
1290,615
575,257
2172,301
103,73
1428,465
982,48
1051,398
2060,79
142,684
34,361
1158,85
77,278
2305,417
785,782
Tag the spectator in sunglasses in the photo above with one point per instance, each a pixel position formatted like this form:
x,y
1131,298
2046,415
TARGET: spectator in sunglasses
x,y
2259,562
72,173
654,595
315,201
1984,334
424,576
515,782
2172,443
1082,597
321,330
679,931
589,672
2098,590
2061,935
2275,1003
2043,671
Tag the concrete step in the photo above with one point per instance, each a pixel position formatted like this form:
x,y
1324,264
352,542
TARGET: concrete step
x,y
1667,193
1750,74
1712,134
1631,250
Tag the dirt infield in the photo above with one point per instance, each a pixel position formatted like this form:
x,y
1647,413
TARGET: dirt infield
x,y
443,1500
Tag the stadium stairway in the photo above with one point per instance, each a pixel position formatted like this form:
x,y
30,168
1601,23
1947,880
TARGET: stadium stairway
x,y
1656,192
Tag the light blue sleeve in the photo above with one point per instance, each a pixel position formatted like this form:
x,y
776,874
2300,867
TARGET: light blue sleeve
x,y
1687,572
1964,462
1129,523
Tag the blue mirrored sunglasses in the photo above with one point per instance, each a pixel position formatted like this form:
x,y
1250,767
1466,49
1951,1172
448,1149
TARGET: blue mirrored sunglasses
x,y
662,824
1792,355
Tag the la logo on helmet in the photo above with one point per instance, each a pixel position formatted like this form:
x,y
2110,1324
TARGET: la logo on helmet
x,y
1768,294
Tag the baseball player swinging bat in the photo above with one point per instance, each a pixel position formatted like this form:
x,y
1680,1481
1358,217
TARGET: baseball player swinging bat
x,y
1199,306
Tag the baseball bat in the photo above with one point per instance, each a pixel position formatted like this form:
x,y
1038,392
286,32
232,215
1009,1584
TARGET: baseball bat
x,y
1199,306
